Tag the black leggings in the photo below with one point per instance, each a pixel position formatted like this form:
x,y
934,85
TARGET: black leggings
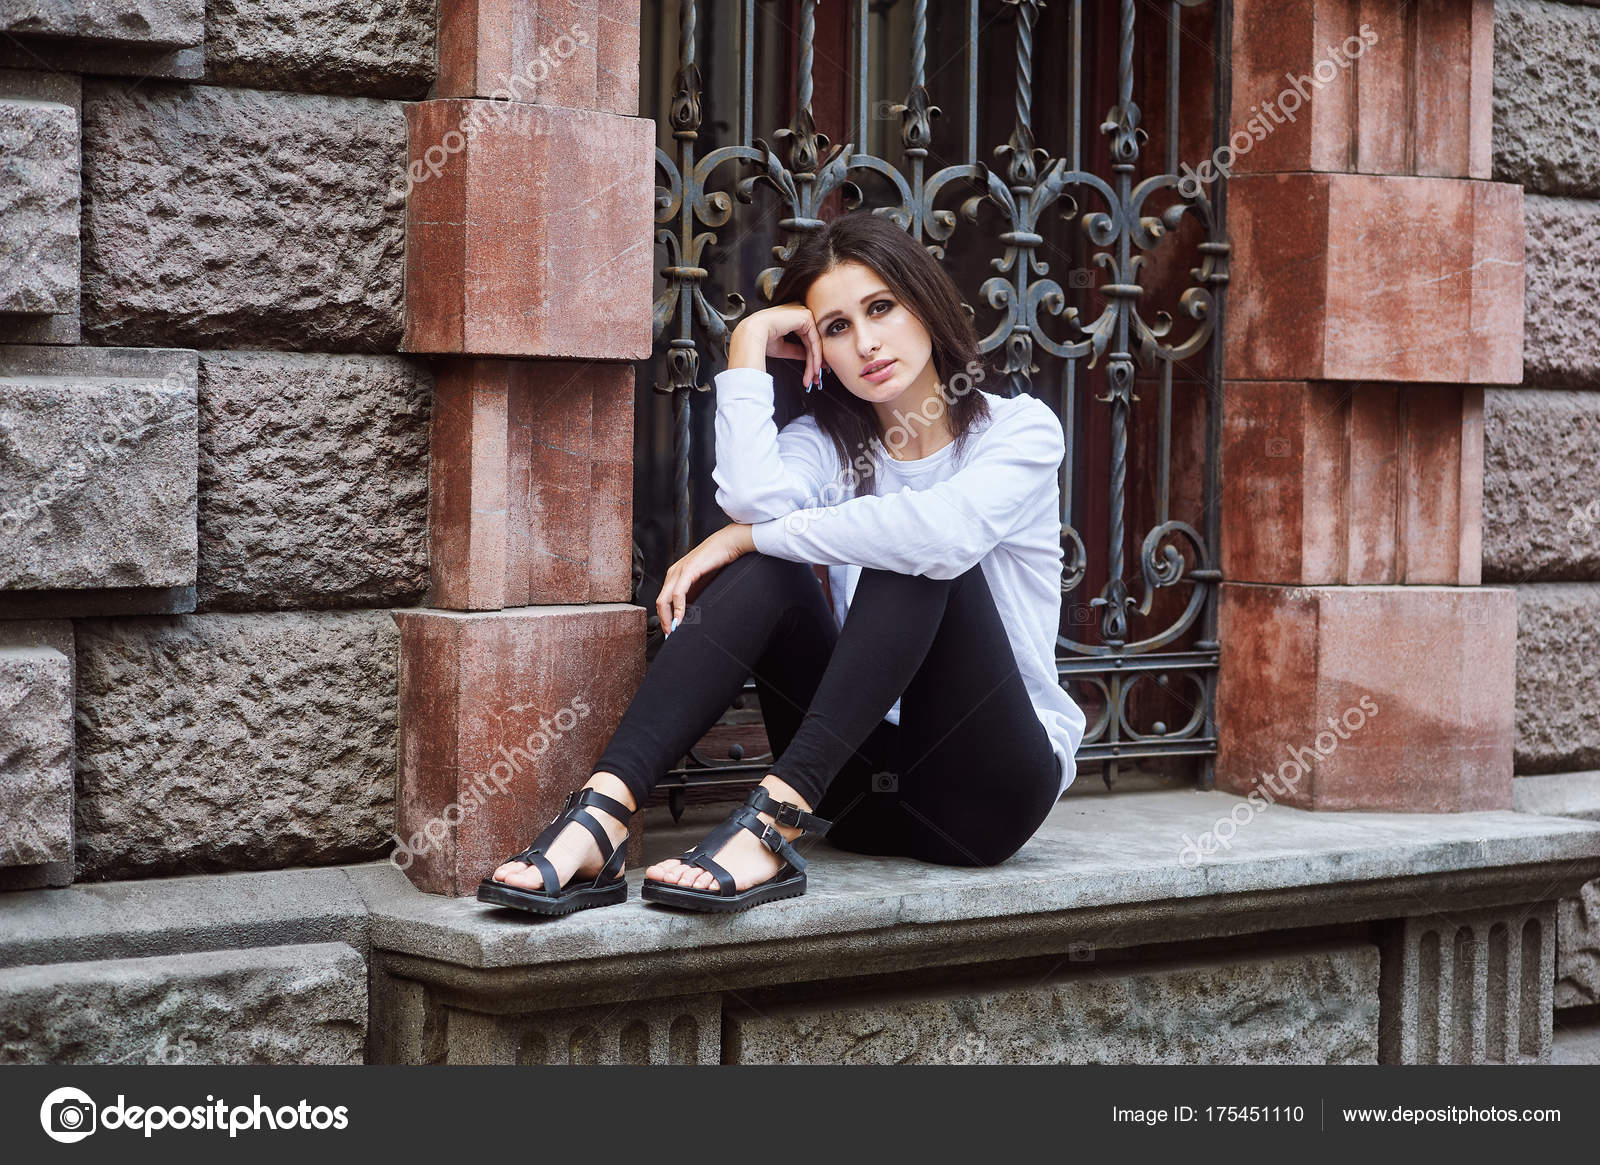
x,y
965,778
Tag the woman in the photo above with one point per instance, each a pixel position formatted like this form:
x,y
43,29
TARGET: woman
x,y
915,709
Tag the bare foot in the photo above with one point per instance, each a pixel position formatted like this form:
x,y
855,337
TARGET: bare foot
x,y
575,850
743,856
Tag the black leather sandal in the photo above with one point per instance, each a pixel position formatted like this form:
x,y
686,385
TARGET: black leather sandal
x,y
607,888
788,882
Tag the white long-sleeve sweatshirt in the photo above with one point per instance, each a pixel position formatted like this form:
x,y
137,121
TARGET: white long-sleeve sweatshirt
x,y
1000,506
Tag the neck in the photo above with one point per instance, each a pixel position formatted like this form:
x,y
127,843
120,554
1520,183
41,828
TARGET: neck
x,y
917,422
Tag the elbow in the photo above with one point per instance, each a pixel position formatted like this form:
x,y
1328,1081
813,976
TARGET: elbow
x,y
742,509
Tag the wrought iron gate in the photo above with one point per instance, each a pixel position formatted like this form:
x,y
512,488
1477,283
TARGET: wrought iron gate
x,y
1139,655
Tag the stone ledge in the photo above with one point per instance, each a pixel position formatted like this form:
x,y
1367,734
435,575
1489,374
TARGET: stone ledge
x,y
1558,795
169,916
1103,872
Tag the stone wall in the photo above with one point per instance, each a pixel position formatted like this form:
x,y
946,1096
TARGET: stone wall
x,y
1541,496
213,460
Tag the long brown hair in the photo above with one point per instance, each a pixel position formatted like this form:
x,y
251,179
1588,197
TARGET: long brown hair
x,y
918,281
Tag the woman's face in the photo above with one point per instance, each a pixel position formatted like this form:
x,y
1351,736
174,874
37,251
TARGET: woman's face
x,y
870,339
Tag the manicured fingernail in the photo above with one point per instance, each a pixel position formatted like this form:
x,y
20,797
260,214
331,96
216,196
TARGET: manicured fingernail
x,y
676,619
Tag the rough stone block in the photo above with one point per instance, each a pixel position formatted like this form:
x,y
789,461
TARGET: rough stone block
x,y
579,55
1563,328
227,742
1558,674
1469,987
1546,96
264,1005
501,715
528,231
531,496
1368,277
1578,949
35,86
1316,1006
49,635
375,48
143,22
1378,698
39,182
313,480
35,756
1351,483
1412,96
98,452
1541,485
218,217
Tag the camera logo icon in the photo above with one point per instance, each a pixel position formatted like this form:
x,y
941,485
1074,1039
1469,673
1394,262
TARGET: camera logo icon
x,y
885,782
68,1115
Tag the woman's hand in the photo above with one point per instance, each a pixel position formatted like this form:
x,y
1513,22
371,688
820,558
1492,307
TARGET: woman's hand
x,y
765,334
688,573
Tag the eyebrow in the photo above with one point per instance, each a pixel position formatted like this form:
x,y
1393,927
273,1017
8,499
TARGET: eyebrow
x,y
865,298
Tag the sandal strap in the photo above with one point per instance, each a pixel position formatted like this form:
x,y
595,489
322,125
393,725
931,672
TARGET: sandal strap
x,y
748,816
552,880
725,888
785,812
572,810
600,801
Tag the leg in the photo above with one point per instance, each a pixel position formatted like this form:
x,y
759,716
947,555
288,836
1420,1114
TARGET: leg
x,y
900,628
759,614
979,774
787,673
893,623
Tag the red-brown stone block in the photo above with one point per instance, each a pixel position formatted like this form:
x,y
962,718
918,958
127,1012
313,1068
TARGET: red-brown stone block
x,y
1378,698
501,716
528,231
1360,277
1352,483
583,54
531,483
1363,86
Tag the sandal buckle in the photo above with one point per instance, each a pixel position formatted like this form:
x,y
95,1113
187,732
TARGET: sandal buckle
x,y
770,837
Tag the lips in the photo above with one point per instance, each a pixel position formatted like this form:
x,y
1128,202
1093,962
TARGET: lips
x,y
876,366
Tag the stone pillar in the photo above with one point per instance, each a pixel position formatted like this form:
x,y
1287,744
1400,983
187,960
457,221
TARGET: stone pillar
x,y
530,211
1377,286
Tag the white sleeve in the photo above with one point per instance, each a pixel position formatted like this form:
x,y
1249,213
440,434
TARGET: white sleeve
x,y
761,472
940,531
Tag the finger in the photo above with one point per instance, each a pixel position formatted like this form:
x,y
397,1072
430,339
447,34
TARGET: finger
x,y
664,600
808,333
